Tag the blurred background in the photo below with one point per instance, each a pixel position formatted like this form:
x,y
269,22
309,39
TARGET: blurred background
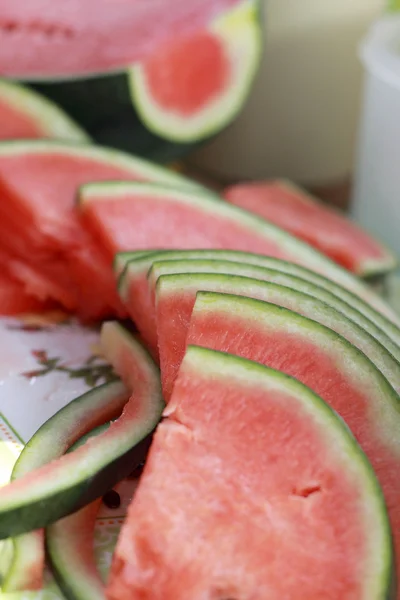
x,y
301,118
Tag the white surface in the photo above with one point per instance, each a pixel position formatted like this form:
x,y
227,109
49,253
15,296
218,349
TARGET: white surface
x,y
376,202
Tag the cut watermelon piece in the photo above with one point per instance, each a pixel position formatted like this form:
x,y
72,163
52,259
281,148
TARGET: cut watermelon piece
x,y
134,292
14,300
193,85
319,358
38,184
331,232
26,114
223,511
134,216
175,296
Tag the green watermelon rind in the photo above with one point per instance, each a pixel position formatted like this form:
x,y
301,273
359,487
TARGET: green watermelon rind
x,y
75,573
49,443
274,274
50,118
198,126
218,365
126,262
316,309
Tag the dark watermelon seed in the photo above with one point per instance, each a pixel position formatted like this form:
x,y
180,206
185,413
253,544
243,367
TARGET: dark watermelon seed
x,y
112,499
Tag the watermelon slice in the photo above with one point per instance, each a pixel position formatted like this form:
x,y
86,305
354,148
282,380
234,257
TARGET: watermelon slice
x,y
175,296
151,77
319,358
134,216
223,511
135,280
26,114
324,228
40,227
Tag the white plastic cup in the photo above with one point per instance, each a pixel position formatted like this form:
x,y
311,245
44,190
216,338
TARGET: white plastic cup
x,y
376,194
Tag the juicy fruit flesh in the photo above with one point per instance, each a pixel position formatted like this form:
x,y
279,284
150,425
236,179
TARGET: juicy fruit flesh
x,y
14,300
14,124
204,524
179,76
134,222
329,231
322,365
42,39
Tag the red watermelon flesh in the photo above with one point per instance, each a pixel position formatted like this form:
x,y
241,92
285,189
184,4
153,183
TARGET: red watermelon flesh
x,y
14,124
322,360
49,39
324,228
223,511
171,92
15,301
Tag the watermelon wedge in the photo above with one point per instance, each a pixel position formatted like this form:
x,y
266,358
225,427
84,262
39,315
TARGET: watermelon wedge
x,y
223,511
175,296
320,358
135,216
40,227
26,114
132,269
331,232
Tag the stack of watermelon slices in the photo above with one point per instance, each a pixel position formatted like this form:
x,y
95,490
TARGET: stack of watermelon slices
x,y
215,444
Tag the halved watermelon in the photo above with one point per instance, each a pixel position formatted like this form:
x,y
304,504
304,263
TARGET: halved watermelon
x,y
151,77
323,227
134,216
40,227
223,510
175,296
26,114
320,358
139,272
